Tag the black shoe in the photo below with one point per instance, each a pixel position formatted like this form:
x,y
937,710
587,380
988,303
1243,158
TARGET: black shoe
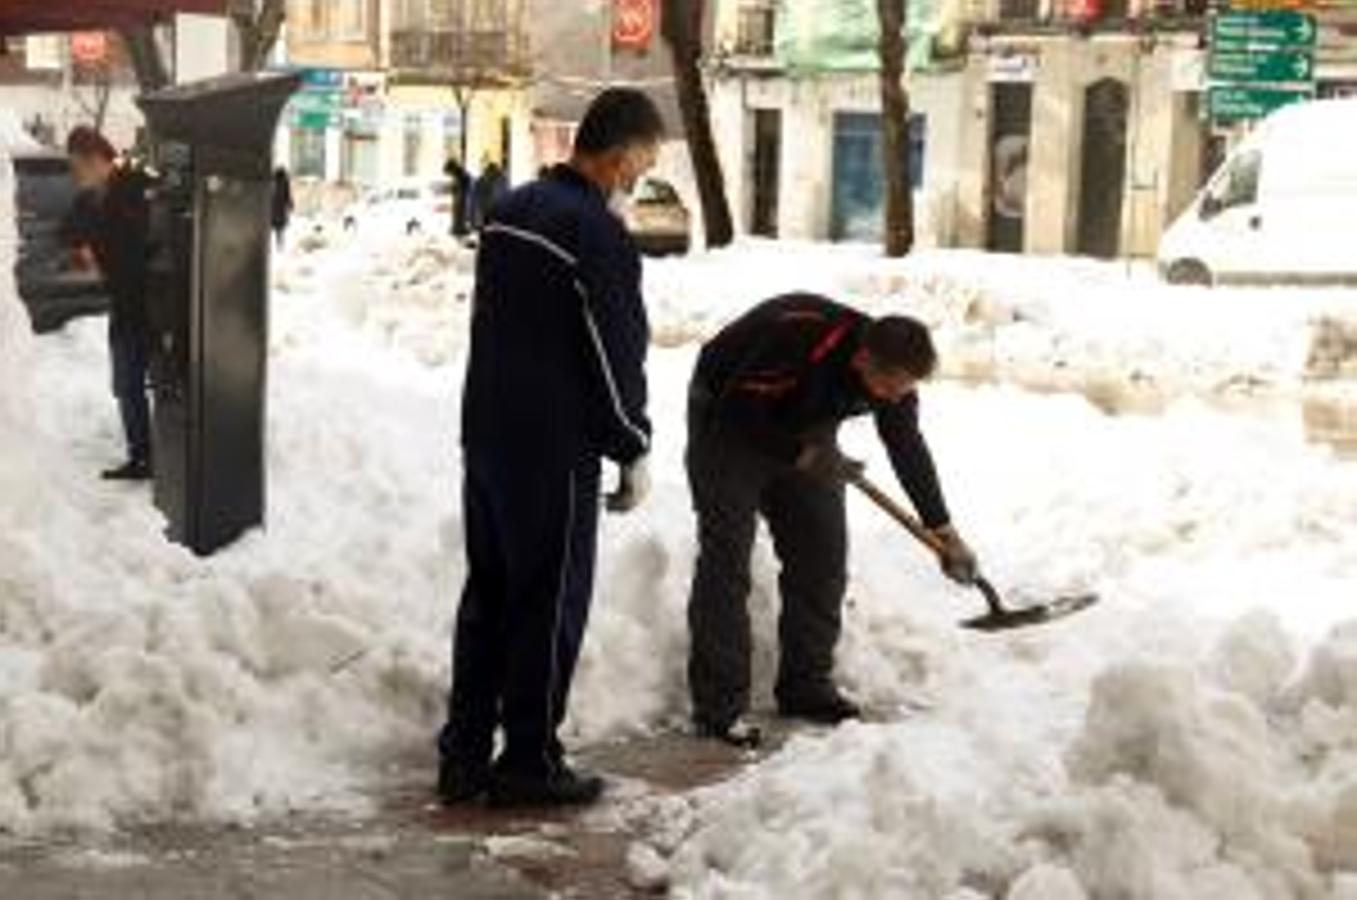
x,y
459,782
829,708
560,786
738,732
132,470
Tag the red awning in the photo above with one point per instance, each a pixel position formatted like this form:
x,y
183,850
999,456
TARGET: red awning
x,y
31,16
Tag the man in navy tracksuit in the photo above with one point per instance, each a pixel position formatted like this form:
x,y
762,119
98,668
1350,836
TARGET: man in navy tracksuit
x,y
765,405
555,382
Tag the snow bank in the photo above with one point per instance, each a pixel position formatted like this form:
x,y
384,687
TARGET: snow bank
x,y
137,682
1174,786
15,340
1045,322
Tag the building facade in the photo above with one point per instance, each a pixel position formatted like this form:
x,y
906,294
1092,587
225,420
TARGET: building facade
x,y
54,82
1041,126
394,88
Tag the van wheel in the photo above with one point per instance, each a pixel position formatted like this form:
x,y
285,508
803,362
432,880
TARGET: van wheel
x,y
1190,272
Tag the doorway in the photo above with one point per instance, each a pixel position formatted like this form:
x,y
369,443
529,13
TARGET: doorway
x,y
1102,179
1010,136
767,171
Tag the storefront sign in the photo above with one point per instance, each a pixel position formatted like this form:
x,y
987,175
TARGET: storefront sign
x,y
633,24
89,48
1013,69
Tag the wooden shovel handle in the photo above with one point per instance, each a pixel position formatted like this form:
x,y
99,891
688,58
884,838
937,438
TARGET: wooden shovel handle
x,y
897,512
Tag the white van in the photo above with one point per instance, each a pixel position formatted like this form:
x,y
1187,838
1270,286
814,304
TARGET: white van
x,y
1281,208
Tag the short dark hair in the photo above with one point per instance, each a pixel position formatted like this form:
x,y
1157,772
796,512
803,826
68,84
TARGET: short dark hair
x,y
900,342
85,141
618,117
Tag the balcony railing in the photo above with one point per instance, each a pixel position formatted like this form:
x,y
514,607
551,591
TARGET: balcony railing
x,y
1019,10
495,52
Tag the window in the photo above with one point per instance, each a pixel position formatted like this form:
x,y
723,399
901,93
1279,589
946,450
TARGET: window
x,y
414,14
1018,10
654,192
918,137
1237,185
755,29
306,19
349,19
308,152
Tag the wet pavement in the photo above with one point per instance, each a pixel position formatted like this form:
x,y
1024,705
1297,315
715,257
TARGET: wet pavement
x,y
410,847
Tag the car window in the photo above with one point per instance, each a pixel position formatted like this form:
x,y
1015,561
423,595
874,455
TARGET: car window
x,y
407,194
1238,185
442,189
656,193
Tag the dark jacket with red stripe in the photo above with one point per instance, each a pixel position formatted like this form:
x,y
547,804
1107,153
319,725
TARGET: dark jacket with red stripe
x,y
780,377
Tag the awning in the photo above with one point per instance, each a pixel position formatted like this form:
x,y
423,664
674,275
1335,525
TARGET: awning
x,y
34,16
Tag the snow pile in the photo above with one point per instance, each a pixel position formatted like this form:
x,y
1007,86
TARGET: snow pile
x,y
1174,786
1049,323
411,293
137,682
1064,324
19,481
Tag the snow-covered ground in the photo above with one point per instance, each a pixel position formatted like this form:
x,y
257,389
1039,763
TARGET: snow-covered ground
x,y
1195,736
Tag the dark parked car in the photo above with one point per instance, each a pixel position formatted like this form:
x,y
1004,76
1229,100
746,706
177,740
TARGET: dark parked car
x,y
54,290
657,218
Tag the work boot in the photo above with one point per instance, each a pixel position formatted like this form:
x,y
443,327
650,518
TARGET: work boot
x,y
132,470
738,732
827,707
460,782
558,786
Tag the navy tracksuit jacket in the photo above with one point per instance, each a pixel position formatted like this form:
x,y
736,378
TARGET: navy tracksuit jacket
x,y
555,382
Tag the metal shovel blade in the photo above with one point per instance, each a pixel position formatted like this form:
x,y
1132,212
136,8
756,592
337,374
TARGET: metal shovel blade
x,y
1001,618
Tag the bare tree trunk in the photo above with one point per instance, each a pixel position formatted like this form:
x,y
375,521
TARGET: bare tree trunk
x,y
899,238
101,90
681,24
147,60
258,29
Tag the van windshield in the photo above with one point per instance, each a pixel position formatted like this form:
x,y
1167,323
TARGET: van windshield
x,y
1237,185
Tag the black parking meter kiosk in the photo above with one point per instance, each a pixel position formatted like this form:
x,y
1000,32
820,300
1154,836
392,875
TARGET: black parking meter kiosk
x,y
208,300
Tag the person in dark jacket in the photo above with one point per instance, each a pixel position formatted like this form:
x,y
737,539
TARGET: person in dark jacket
x,y
461,194
766,401
490,187
280,212
113,231
555,382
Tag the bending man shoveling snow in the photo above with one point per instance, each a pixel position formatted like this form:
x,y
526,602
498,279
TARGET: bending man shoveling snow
x,y
766,402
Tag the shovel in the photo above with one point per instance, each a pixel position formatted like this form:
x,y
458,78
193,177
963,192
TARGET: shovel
x,y
999,617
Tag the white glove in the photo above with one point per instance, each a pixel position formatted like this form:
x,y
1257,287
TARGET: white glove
x,y
633,484
958,560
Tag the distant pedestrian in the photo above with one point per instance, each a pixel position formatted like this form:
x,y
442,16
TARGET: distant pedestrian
x,y
555,382
113,230
461,194
490,187
281,212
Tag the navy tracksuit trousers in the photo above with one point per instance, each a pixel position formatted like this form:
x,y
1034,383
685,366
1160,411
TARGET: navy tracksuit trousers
x,y
531,541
